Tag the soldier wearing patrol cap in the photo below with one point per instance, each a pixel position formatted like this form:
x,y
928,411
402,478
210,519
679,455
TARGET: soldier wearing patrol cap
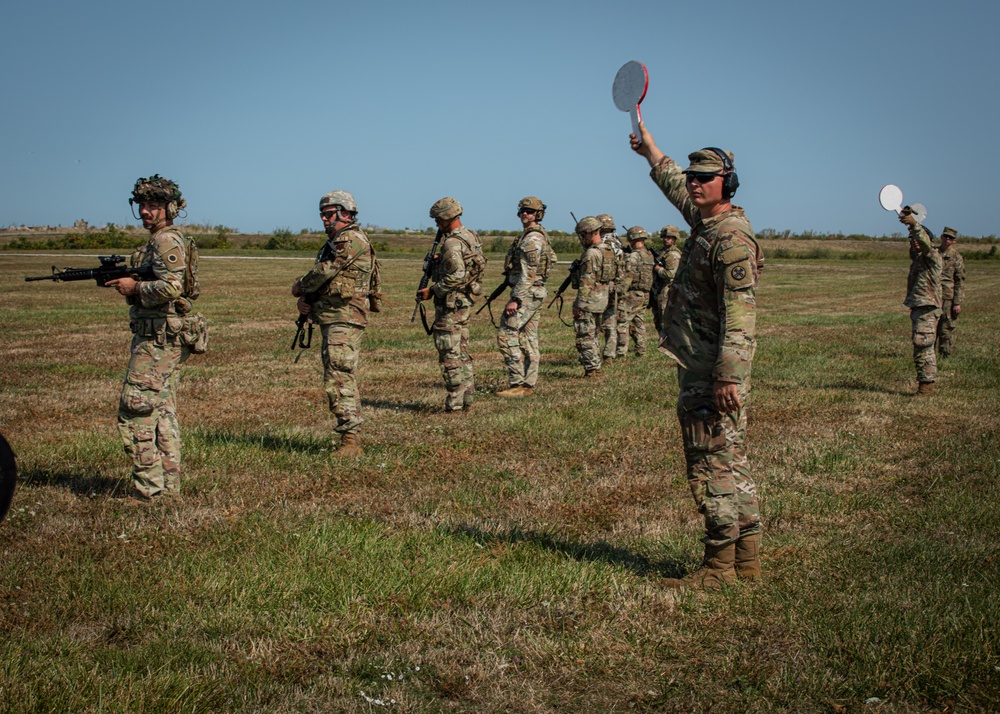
x,y
635,283
334,294
663,272
165,334
952,292
592,280
526,268
709,331
923,297
457,274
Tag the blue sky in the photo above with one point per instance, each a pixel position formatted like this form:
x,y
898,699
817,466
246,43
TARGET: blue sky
x,y
257,109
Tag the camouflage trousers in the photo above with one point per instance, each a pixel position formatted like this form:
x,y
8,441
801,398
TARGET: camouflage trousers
x,y
341,356
946,330
924,321
147,413
517,338
659,307
717,468
451,338
632,322
587,345
609,325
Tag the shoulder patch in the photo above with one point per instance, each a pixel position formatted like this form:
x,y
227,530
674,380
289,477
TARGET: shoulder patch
x,y
739,276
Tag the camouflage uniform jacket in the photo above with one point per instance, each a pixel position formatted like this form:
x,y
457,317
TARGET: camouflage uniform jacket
x,y
166,251
528,262
923,284
711,307
639,270
666,265
613,242
341,276
593,278
453,270
952,276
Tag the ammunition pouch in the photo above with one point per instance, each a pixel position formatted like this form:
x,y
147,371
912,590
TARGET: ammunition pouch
x,y
194,333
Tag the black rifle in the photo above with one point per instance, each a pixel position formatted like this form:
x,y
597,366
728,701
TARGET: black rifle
x,y
112,268
562,288
305,340
500,289
429,261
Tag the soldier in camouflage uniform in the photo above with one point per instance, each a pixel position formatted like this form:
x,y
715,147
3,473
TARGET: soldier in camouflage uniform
x,y
952,291
593,282
165,333
334,295
709,331
663,272
923,297
609,318
634,296
457,275
526,269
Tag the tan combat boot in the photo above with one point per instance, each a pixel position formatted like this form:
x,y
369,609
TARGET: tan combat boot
x,y
747,562
925,389
592,374
716,570
517,391
350,447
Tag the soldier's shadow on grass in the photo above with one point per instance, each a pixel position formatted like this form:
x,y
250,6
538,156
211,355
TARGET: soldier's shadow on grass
x,y
397,406
75,483
599,551
860,386
271,442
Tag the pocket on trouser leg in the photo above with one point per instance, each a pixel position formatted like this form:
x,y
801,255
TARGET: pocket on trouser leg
x,y
141,444
137,401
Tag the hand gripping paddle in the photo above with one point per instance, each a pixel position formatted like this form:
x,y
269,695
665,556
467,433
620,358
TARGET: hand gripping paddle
x,y
629,89
891,199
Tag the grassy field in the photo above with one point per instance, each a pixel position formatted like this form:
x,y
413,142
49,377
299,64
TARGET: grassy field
x,y
509,559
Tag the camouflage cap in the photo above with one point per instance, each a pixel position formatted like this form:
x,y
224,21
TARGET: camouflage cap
x,y
339,198
949,234
637,233
707,161
670,232
155,188
607,222
587,224
446,209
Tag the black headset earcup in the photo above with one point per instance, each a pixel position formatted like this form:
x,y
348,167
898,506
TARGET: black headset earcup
x,y
730,183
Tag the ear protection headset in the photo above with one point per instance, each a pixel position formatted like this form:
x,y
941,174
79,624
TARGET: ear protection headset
x,y
730,181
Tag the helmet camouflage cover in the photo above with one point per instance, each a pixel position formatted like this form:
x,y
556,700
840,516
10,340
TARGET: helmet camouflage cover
x,y
339,198
446,209
156,188
607,222
587,224
637,233
533,203
670,232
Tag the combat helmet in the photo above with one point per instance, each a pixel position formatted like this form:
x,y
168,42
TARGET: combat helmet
x,y
339,198
637,233
159,189
446,209
607,223
587,224
535,204
670,232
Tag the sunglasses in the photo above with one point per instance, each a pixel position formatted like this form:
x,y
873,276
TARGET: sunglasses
x,y
700,177
526,210
328,214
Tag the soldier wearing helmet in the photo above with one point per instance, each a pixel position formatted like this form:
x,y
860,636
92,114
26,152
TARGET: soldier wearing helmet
x,y
952,292
165,334
709,330
636,283
592,280
923,297
457,274
663,272
526,269
334,294
609,320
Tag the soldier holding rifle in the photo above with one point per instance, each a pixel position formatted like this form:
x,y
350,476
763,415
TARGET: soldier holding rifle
x,y
165,333
664,272
709,330
952,291
526,268
457,273
593,282
334,294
